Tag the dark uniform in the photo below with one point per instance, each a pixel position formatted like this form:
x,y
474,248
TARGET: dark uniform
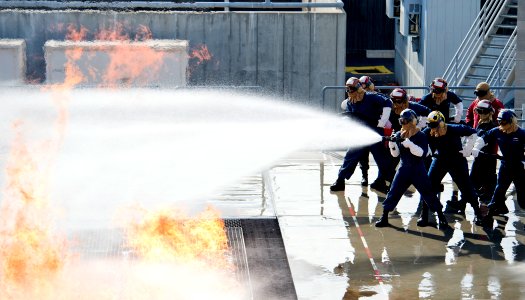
x,y
367,111
419,109
412,171
448,159
483,171
511,169
443,107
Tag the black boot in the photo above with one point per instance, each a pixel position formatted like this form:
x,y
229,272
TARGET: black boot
x,y
455,207
380,185
338,185
442,221
478,214
423,218
383,222
364,180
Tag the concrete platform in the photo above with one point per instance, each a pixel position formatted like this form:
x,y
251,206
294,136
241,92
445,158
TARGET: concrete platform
x,y
335,251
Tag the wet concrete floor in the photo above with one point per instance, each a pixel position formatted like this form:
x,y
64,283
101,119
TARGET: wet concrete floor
x,y
335,251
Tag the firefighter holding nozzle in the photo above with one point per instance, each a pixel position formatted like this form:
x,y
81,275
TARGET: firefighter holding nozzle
x,y
511,141
411,145
373,111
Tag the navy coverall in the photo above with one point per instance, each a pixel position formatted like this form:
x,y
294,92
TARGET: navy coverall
x,y
483,171
511,170
443,107
367,111
419,109
412,171
448,159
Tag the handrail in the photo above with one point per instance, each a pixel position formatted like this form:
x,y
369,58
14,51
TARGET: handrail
x,y
391,87
505,63
162,5
473,42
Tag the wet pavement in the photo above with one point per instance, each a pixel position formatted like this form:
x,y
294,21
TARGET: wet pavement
x,y
335,251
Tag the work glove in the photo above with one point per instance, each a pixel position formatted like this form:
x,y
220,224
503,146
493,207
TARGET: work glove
x,y
475,152
466,153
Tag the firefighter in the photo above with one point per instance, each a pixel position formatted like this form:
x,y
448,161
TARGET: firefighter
x,y
483,93
440,99
449,156
379,184
373,111
511,141
400,102
411,145
483,171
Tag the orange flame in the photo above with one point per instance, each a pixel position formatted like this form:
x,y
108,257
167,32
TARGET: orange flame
x,y
169,235
30,254
201,53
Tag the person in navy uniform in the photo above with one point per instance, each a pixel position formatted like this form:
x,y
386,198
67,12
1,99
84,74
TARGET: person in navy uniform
x,y
511,141
373,111
400,102
379,184
411,145
449,156
483,171
440,99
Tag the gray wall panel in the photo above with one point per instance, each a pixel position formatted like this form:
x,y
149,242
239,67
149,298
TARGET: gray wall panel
x,y
289,54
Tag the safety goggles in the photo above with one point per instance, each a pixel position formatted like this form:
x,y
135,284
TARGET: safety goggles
x,y
481,93
482,111
397,101
403,121
433,124
438,91
502,122
351,89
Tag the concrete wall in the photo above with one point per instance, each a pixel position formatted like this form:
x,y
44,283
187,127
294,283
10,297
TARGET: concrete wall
x,y
12,61
444,24
519,100
159,63
290,54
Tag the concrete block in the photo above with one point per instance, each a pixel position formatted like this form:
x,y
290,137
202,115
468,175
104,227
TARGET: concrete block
x,y
108,63
13,61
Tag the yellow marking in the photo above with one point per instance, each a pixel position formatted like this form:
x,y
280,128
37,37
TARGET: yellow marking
x,y
368,70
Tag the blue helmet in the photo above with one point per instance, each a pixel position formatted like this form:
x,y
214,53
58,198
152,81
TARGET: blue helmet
x,y
505,116
407,116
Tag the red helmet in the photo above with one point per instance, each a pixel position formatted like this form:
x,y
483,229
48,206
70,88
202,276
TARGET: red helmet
x,y
366,81
484,107
438,85
398,95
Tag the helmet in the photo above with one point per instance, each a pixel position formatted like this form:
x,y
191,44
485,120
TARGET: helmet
x,y
398,95
506,116
366,81
438,85
482,89
352,84
434,118
407,116
484,107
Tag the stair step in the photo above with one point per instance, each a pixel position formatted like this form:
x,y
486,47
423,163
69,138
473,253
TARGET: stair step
x,y
512,5
488,67
488,56
479,77
493,46
510,16
506,26
499,36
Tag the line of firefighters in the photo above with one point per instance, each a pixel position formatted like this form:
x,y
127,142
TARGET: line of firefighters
x,y
427,143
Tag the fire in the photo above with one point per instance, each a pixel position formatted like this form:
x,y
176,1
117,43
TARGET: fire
x,y
169,235
31,255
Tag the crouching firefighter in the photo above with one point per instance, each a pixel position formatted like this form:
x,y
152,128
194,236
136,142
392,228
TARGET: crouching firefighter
x,y
412,146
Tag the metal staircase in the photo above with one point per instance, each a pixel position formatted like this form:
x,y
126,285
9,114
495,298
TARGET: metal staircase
x,y
488,51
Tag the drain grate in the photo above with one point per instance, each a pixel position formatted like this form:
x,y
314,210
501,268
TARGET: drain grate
x,y
110,243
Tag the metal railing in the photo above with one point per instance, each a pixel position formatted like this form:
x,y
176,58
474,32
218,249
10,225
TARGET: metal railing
x,y
504,66
521,117
473,42
121,5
